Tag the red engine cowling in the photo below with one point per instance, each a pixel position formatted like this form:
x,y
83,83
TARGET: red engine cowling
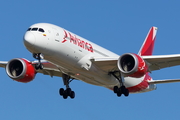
x,y
132,65
20,70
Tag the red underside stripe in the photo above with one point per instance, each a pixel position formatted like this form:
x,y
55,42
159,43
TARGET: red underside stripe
x,y
143,85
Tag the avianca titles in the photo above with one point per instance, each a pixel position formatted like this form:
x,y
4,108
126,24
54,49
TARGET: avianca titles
x,y
59,52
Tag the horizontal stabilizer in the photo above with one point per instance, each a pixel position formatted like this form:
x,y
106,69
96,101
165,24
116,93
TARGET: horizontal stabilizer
x,y
3,64
164,81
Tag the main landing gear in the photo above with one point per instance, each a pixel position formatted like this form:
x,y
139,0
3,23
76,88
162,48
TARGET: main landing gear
x,y
67,92
122,89
38,57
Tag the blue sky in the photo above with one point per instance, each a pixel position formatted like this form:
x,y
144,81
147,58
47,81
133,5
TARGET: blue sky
x,y
119,26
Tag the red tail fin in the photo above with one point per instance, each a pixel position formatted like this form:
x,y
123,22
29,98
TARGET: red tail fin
x,y
148,45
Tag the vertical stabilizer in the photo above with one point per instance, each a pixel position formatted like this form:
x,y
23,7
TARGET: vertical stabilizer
x,y
148,45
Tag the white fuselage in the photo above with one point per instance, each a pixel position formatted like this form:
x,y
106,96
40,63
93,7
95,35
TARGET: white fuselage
x,y
72,55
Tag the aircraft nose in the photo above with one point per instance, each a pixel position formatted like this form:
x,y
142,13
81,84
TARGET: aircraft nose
x,y
29,41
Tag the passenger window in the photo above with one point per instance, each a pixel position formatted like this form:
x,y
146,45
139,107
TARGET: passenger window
x,y
28,29
41,30
34,29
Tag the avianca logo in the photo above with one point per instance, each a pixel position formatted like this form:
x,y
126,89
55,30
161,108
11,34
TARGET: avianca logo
x,y
73,39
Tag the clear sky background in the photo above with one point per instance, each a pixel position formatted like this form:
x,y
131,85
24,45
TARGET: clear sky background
x,y
117,25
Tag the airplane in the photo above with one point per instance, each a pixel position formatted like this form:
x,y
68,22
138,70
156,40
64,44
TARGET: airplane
x,y
59,52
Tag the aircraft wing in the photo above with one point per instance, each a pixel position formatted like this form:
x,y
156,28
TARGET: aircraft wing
x,y
157,62
49,68
107,64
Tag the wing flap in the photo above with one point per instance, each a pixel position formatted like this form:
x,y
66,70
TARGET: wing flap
x,y
106,63
50,72
49,69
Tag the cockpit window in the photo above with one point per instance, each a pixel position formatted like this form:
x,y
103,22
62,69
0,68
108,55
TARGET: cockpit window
x,y
28,29
34,29
41,30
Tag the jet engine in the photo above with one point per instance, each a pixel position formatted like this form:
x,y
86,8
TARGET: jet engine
x,y
132,65
20,70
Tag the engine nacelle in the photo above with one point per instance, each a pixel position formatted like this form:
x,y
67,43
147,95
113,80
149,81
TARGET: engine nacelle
x,y
132,65
20,70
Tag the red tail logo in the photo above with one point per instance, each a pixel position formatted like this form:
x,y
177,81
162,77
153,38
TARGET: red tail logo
x,y
148,45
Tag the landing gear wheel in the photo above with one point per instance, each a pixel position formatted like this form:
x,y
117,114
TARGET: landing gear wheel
x,y
61,91
72,94
123,89
126,93
119,92
65,95
115,89
68,90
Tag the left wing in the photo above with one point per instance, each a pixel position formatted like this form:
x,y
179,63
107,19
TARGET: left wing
x,y
107,64
154,62
157,62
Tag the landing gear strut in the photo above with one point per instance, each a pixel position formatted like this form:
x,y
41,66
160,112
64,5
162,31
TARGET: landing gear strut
x,y
39,65
122,89
68,92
